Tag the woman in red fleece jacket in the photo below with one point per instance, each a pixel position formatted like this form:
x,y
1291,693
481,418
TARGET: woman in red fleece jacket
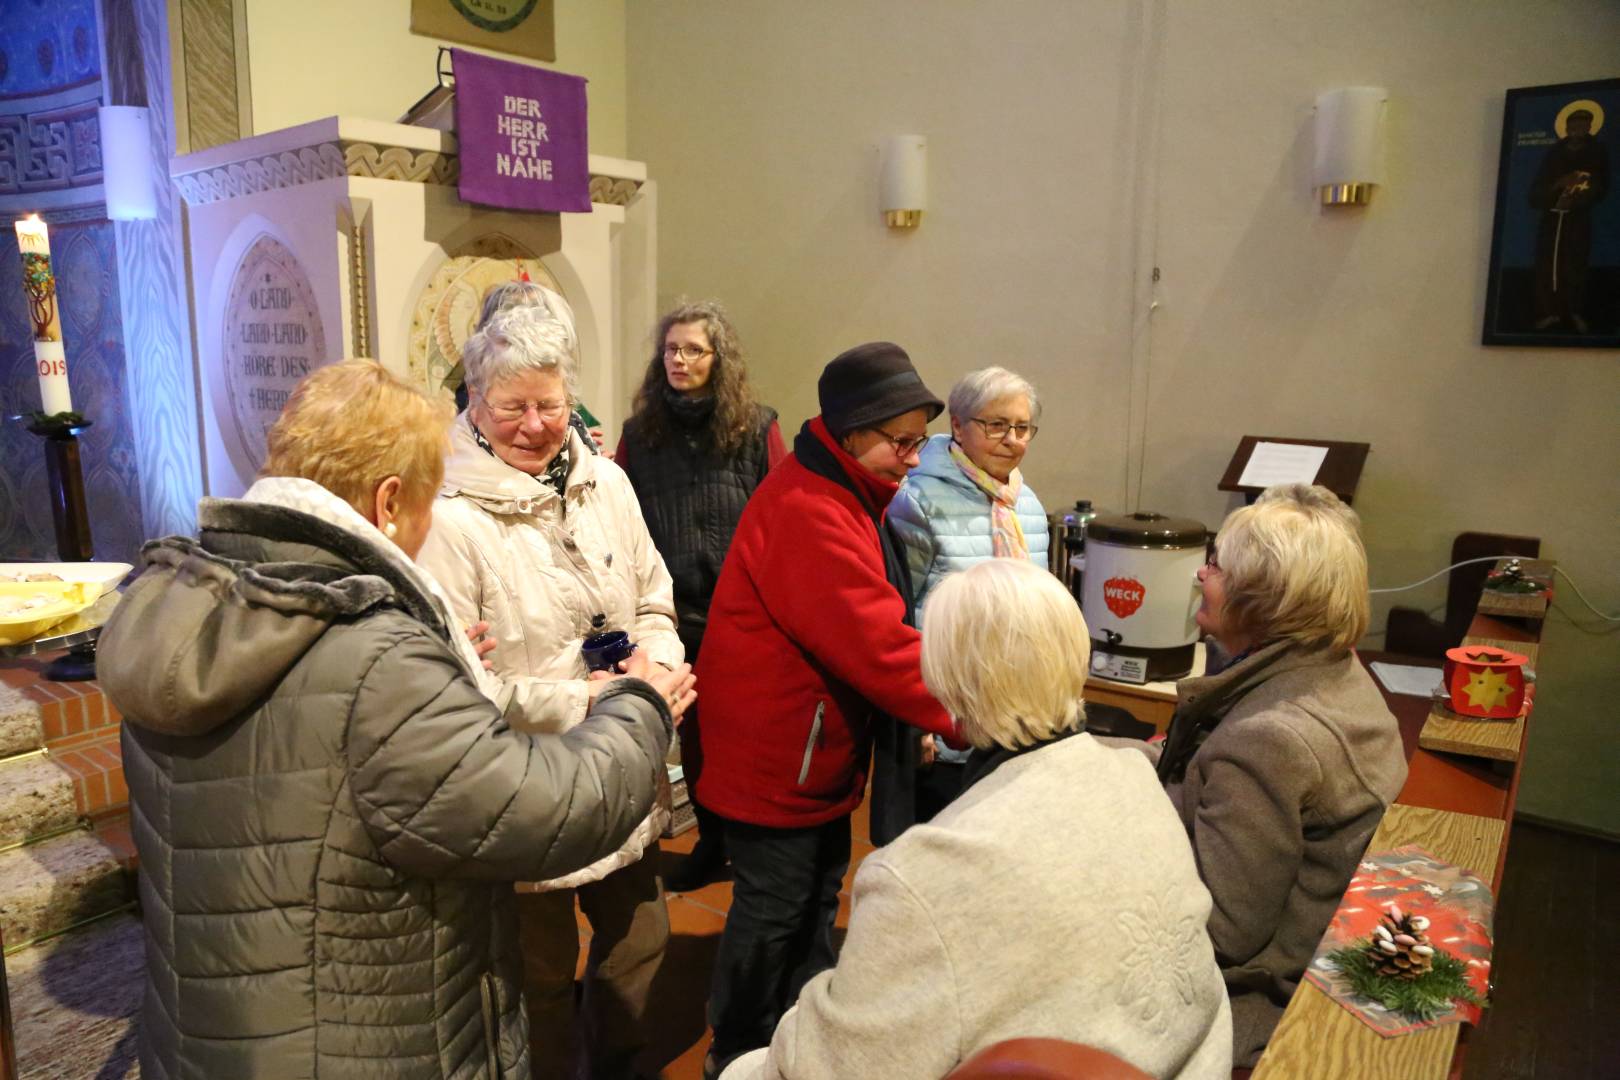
x,y
810,660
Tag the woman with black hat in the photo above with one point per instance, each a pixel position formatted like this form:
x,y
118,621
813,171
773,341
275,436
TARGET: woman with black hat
x,y
810,660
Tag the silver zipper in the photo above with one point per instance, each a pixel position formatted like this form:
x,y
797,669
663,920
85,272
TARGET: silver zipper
x,y
486,990
810,743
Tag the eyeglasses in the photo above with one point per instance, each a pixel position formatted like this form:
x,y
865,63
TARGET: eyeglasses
x,y
1210,561
690,353
904,445
999,429
509,414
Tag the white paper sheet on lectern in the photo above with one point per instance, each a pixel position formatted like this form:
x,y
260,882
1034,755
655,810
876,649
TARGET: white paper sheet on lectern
x,y
1407,679
1282,463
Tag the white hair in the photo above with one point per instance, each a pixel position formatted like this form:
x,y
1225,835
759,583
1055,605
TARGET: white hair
x,y
509,295
1006,651
975,391
514,341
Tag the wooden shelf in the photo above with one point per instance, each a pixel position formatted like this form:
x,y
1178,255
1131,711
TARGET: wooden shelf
x,y
1452,733
1530,650
1318,1037
1520,605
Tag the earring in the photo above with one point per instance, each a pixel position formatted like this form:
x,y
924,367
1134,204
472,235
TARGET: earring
x,y
389,529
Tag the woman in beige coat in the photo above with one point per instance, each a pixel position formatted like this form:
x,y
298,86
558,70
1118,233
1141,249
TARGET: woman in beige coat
x,y
1282,762
545,542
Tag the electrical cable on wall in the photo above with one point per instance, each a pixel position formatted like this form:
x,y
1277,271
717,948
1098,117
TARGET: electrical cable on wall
x,y
1497,558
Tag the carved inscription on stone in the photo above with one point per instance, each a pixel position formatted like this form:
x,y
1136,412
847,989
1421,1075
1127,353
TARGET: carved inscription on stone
x,y
273,338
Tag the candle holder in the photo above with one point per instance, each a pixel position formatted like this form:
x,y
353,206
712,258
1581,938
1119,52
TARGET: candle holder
x,y
1485,683
66,479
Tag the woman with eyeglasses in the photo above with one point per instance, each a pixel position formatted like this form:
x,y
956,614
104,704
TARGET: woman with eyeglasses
x,y
1282,761
544,541
522,292
816,672
967,502
330,800
695,449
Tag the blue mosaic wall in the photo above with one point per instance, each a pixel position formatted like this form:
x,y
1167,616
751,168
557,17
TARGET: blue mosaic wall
x,y
47,45
92,327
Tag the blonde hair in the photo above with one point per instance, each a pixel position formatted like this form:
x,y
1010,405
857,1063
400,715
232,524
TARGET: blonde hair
x,y
351,425
1006,651
1294,567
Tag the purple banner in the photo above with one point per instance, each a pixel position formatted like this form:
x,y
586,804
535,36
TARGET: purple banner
x,y
522,135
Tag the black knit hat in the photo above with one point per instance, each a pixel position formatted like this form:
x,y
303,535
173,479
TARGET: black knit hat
x,y
869,384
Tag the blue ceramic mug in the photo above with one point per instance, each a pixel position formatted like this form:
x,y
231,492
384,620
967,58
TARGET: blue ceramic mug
x,y
606,651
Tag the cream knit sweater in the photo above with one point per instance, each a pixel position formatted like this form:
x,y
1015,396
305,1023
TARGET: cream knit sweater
x,y
1056,898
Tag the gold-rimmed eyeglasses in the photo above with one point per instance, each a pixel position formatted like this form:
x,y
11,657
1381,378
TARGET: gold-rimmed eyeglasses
x,y
1000,429
548,410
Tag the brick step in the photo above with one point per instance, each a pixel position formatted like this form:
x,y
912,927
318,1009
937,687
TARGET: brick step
x,y
36,798
21,728
74,1000
113,830
66,714
57,883
96,769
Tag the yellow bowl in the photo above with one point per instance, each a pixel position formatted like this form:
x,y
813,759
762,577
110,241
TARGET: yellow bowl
x,y
62,600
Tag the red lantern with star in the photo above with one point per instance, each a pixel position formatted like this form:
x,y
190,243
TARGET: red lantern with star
x,y
1484,682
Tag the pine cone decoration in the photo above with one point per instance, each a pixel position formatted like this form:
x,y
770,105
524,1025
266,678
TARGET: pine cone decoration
x,y
1399,947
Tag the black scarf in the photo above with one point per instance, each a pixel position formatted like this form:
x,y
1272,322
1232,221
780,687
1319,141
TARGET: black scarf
x,y
894,744
689,413
981,763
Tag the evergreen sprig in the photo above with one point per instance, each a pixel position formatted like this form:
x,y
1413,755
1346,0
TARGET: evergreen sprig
x,y
1422,998
1523,586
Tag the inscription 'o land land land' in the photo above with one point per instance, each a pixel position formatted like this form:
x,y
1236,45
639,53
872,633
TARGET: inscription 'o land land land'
x,y
273,338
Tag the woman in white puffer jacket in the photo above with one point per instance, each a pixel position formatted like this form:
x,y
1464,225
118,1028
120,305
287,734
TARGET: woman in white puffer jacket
x,y
545,541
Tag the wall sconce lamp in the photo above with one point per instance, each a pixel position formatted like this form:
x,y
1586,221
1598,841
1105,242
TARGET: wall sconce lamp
x,y
1349,144
126,163
903,171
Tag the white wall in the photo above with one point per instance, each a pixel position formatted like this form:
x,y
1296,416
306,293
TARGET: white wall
x,y
1074,145
315,58
767,167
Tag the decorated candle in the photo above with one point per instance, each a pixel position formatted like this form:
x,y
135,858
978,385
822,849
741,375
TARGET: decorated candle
x,y
49,358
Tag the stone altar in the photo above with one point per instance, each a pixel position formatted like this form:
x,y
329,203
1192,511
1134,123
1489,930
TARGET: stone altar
x,y
346,237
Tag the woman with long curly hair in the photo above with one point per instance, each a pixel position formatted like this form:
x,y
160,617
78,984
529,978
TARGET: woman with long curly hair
x,y
695,448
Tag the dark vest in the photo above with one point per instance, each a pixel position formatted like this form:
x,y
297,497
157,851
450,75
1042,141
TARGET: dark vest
x,y
692,497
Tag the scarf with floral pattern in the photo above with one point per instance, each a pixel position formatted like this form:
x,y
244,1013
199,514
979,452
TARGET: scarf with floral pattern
x,y
1006,534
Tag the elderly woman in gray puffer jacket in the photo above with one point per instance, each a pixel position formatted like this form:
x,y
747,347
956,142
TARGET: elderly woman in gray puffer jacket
x,y
329,811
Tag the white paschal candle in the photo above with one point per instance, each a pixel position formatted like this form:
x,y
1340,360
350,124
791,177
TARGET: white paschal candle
x,y
40,285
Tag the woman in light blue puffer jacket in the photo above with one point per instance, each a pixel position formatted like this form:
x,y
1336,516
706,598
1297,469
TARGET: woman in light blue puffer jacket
x,y
967,502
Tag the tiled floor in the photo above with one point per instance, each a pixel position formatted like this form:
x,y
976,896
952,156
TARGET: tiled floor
x,y
678,1034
